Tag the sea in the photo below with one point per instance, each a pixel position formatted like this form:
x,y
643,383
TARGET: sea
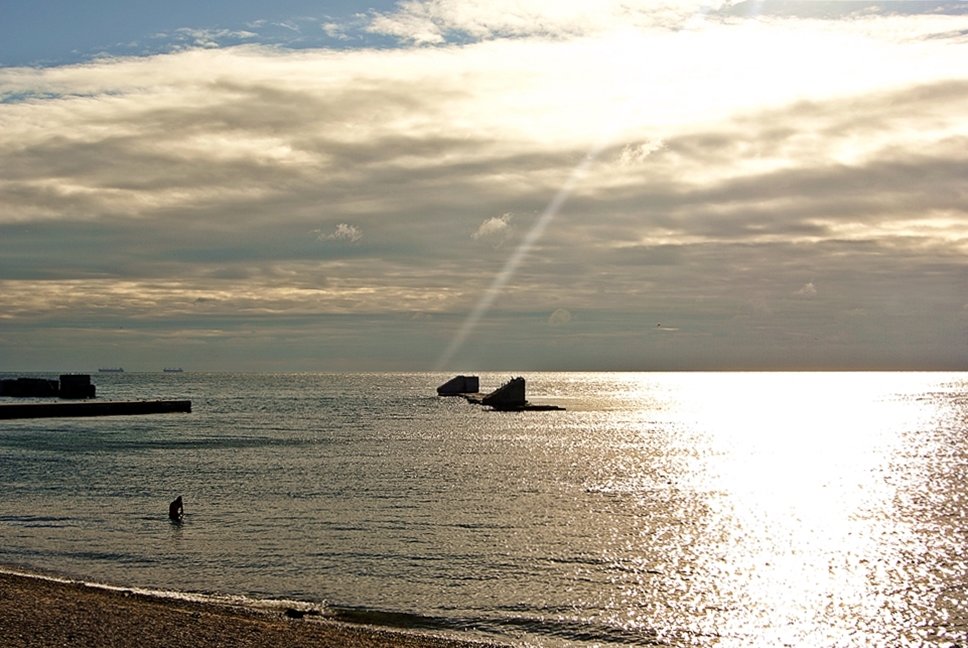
x,y
665,509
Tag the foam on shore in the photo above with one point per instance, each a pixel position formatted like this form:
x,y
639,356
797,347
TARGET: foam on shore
x,y
226,600
48,610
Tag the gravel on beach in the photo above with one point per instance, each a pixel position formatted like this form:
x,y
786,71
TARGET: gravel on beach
x,y
37,613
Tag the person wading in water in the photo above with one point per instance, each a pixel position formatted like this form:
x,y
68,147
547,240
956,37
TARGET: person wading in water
x,y
176,510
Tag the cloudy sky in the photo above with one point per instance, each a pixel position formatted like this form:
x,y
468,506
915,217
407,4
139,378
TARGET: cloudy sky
x,y
483,184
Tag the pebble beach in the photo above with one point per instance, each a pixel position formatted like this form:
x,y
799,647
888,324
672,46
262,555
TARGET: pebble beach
x,y
38,612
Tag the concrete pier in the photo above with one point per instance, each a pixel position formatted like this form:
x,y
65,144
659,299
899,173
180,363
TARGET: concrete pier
x,y
92,408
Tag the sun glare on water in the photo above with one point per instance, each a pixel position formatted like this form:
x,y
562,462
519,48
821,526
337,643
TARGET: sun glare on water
x,y
799,480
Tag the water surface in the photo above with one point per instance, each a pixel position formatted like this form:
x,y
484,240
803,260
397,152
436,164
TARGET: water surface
x,y
668,509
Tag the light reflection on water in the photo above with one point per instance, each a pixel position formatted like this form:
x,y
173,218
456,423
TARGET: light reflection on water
x,y
707,509
789,518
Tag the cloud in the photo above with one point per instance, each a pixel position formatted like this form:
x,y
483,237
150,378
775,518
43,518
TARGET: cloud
x,y
638,153
807,290
559,317
343,232
207,38
334,30
434,22
495,229
154,190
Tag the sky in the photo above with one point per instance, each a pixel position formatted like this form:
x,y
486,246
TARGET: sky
x,y
483,185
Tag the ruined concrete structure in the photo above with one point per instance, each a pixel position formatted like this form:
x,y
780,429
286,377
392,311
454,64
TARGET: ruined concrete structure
x,y
510,395
460,385
69,386
76,386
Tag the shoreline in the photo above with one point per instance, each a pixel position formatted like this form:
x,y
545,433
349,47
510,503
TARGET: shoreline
x,y
41,611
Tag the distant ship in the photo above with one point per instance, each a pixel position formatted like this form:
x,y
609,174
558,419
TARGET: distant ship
x,y
173,370
111,370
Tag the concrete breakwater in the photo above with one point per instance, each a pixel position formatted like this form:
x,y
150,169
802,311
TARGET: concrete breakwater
x,y
79,393
89,408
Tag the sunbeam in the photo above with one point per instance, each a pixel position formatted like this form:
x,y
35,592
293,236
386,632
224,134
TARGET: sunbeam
x,y
514,261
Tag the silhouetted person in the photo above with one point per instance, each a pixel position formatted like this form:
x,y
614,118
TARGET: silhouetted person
x,y
176,510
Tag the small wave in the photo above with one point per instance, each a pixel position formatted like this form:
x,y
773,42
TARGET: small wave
x,y
68,445
38,520
549,624
232,600
577,630
536,625
391,619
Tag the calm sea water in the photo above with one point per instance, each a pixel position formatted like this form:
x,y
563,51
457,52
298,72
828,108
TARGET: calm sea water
x,y
727,509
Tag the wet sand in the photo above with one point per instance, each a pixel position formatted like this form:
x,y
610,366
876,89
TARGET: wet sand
x,y
38,613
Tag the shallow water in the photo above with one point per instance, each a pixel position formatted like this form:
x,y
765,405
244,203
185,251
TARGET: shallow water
x,y
673,509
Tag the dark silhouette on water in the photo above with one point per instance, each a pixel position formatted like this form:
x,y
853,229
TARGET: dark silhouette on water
x,y
176,510
73,386
460,385
509,397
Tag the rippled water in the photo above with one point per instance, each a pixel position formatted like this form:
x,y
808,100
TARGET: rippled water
x,y
672,509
